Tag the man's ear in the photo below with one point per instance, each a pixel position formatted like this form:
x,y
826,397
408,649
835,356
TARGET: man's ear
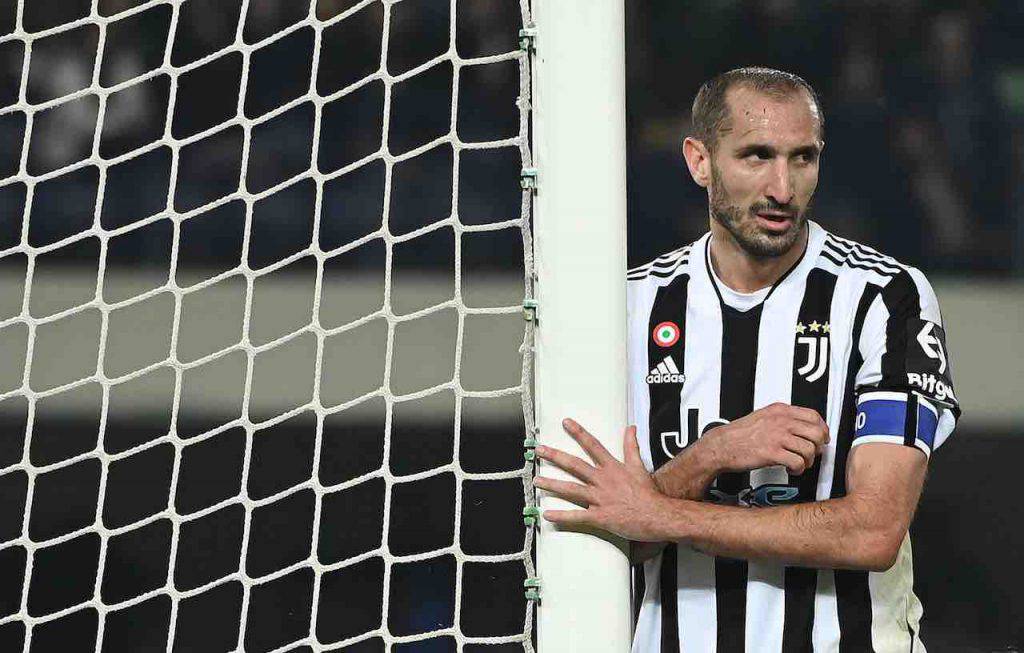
x,y
698,160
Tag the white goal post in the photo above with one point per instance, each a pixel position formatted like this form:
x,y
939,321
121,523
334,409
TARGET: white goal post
x,y
580,230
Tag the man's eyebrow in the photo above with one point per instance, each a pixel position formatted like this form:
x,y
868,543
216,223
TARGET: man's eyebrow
x,y
771,150
811,150
756,148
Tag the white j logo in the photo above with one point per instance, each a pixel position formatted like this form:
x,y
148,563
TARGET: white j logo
x,y
817,357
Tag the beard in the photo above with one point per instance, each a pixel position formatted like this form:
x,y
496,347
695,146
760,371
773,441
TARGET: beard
x,y
743,226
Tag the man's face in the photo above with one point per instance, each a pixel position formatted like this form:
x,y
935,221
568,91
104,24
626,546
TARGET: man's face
x,y
764,170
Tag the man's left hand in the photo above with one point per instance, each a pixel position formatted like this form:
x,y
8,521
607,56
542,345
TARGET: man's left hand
x,y
619,497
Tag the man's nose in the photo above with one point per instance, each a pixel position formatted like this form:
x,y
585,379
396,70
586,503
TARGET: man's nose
x,y
780,185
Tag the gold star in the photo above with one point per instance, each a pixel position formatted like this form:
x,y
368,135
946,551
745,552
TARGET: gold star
x,y
814,326
826,328
800,328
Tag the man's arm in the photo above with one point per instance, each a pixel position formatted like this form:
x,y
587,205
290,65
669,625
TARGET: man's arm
x,y
690,472
862,530
686,476
779,434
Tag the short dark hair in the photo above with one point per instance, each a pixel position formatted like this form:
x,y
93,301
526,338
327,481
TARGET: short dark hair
x,y
710,110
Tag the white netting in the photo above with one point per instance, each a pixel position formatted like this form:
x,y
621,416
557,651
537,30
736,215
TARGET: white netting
x,y
175,484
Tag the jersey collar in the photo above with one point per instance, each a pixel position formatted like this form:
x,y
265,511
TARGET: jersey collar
x,y
795,274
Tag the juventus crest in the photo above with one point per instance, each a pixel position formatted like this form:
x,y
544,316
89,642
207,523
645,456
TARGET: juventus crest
x,y
814,337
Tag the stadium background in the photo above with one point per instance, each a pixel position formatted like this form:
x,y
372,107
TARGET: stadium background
x,y
924,160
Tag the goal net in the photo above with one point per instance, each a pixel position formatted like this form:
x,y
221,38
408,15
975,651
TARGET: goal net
x,y
265,375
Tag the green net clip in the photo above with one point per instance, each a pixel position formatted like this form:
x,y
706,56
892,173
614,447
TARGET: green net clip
x,y
528,179
530,444
530,310
530,515
532,586
528,39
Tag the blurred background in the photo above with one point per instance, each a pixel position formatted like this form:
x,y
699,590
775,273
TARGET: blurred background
x,y
924,105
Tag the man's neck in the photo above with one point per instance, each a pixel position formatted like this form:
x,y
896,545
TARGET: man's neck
x,y
746,273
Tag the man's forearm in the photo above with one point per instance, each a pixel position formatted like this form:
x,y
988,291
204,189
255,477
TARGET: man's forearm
x,y
838,533
688,475
862,530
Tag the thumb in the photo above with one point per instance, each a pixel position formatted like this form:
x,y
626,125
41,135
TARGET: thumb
x,y
631,448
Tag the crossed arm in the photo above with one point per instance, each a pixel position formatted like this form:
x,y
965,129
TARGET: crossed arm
x,y
862,530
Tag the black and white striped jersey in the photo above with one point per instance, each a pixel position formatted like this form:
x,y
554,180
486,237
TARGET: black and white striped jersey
x,y
847,329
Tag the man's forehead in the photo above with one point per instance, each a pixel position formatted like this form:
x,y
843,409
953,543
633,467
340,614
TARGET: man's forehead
x,y
755,114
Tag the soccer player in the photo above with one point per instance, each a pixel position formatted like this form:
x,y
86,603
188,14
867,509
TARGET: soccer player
x,y
787,387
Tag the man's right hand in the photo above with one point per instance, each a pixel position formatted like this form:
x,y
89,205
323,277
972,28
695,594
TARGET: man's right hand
x,y
778,434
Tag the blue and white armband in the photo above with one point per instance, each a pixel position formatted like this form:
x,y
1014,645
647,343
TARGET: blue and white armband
x,y
896,417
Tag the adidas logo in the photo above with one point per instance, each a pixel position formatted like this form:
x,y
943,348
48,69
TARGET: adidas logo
x,y
666,372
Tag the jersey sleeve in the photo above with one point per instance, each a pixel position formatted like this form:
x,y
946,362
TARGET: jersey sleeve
x,y
904,386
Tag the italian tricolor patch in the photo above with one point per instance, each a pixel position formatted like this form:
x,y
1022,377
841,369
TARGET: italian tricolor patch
x,y
666,334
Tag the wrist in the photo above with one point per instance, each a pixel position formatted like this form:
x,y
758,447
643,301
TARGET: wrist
x,y
712,456
688,474
658,476
683,522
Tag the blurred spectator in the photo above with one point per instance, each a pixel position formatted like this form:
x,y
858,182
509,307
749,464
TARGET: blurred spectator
x,y
950,144
74,132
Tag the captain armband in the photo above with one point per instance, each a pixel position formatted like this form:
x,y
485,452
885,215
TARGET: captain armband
x,y
896,417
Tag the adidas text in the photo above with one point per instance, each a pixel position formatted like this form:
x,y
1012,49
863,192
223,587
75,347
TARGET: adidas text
x,y
665,378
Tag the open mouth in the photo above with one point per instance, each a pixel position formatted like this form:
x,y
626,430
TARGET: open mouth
x,y
775,222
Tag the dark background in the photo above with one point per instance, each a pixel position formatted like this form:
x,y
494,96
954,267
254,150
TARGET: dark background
x,y
924,112
924,105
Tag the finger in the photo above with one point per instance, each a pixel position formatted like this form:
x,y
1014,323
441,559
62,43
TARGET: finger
x,y
575,492
803,448
569,517
817,435
631,448
578,467
793,462
803,413
590,444
808,415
